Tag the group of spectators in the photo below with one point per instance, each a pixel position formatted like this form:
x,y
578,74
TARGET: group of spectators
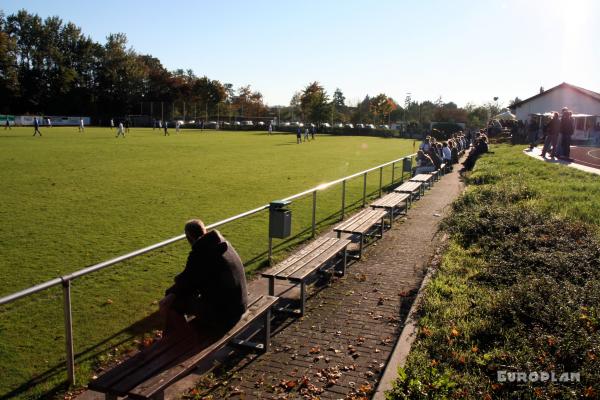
x,y
557,135
432,154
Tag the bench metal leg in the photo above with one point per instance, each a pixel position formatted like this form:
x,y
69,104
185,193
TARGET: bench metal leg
x,y
345,261
271,286
391,218
267,341
302,297
360,247
383,226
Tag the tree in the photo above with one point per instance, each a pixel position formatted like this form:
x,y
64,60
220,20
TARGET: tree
x,y
381,106
314,103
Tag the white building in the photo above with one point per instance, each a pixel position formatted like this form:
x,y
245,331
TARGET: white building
x,y
583,103
576,99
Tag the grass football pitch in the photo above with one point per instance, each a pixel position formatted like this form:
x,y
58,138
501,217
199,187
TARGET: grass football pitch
x,y
70,200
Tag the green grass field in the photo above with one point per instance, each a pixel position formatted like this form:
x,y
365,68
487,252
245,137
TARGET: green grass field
x,y
70,200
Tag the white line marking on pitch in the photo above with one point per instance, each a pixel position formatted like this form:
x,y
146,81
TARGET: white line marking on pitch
x,y
593,151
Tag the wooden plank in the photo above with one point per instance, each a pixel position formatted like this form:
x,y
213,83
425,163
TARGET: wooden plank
x,y
309,259
357,218
408,187
296,257
366,219
157,383
421,178
375,217
308,269
106,382
391,200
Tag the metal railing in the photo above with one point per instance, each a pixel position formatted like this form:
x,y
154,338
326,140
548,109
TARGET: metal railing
x,y
65,280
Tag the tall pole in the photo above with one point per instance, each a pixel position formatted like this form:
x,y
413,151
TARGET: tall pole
x,y
162,112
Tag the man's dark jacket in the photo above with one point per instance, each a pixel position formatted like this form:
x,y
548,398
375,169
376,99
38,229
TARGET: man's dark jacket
x,y
566,126
213,284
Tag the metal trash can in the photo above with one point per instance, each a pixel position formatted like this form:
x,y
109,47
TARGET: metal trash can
x,y
407,164
280,219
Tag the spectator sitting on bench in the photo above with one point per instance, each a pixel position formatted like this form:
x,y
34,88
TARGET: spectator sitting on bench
x,y
480,147
424,163
212,287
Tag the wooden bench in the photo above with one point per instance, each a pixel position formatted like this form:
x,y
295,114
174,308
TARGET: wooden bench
x,y
435,175
148,373
362,224
392,202
415,189
300,266
426,179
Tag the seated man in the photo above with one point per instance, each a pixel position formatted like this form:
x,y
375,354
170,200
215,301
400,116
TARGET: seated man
x,y
212,287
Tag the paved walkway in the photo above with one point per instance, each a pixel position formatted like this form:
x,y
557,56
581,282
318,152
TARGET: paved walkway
x,y
341,347
592,155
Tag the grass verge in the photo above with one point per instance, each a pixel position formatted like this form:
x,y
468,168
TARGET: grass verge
x,y
518,290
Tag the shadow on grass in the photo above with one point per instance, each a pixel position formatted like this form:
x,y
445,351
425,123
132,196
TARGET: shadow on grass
x,y
91,353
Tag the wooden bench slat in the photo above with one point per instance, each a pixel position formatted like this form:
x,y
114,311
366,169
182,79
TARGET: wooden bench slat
x,y
421,178
310,259
296,257
157,383
391,200
108,380
409,187
360,222
309,268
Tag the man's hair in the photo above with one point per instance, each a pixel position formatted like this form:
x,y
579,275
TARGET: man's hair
x,y
194,228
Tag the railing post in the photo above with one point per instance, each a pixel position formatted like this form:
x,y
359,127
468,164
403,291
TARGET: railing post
x,y
393,171
343,198
69,331
380,181
314,213
364,189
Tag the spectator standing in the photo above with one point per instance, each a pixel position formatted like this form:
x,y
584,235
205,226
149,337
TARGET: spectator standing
x,y
49,122
81,125
299,135
166,129
312,132
7,125
552,131
112,124
567,128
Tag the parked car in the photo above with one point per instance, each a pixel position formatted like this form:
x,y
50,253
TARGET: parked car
x,y
384,127
287,124
237,123
350,126
360,126
260,123
248,123
370,126
339,125
326,125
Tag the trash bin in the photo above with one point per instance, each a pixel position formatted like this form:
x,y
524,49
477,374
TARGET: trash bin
x,y
407,164
280,219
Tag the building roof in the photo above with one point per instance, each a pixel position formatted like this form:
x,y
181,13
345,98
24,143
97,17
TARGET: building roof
x,y
585,92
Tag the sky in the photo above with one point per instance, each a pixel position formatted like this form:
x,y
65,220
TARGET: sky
x,y
462,51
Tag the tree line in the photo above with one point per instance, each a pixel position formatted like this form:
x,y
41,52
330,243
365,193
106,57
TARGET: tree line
x,y
51,67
